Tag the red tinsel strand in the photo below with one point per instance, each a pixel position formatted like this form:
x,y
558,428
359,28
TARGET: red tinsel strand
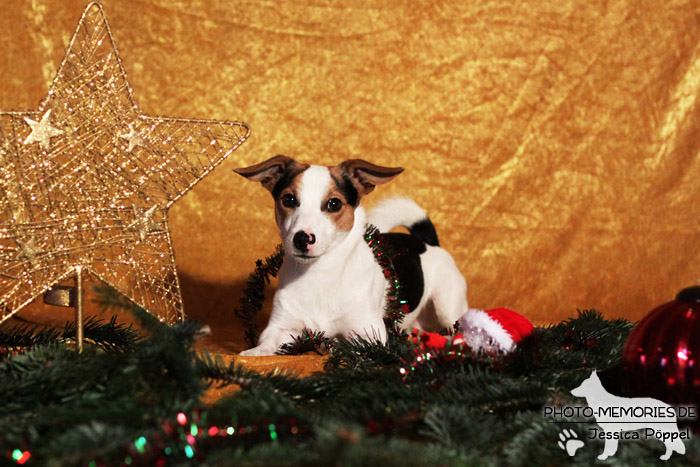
x,y
429,358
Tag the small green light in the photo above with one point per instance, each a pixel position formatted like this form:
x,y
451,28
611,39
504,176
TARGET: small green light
x,y
140,444
168,451
230,430
193,430
189,452
127,461
92,464
273,433
17,454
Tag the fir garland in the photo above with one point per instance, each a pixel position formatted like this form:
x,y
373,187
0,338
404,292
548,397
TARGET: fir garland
x,y
254,295
141,404
17,339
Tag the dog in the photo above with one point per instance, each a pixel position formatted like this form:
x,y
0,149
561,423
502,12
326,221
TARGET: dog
x,y
617,415
329,280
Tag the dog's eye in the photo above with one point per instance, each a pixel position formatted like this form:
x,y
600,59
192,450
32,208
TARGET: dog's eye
x,y
289,201
334,205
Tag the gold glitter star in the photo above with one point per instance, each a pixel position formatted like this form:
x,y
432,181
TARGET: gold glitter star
x,y
28,250
91,203
42,131
133,137
144,223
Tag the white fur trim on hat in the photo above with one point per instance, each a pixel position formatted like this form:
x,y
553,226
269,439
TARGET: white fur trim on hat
x,y
478,328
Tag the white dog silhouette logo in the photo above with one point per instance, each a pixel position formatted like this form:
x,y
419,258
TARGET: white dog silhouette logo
x,y
617,415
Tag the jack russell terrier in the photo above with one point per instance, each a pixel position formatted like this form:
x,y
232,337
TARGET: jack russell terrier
x,y
329,280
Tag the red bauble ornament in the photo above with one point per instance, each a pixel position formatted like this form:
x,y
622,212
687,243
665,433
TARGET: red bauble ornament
x,y
661,358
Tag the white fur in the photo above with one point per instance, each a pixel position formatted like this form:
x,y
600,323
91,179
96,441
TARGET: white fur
x,y
341,291
394,212
309,217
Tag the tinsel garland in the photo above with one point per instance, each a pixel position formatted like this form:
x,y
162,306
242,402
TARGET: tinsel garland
x,y
254,295
395,308
309,341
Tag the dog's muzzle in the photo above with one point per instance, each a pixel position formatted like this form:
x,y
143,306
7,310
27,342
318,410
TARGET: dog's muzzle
x,y
302,240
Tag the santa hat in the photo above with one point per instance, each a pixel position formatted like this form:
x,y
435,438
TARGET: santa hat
x,y
499,329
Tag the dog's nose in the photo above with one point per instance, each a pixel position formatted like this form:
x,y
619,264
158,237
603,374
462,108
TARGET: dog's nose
x,y
302,240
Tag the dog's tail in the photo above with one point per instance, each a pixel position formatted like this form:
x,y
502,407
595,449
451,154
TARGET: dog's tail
x,y
394,212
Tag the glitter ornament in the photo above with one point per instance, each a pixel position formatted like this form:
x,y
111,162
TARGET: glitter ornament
x,y
660,357
86,181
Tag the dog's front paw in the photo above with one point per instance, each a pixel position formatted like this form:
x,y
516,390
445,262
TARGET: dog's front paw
x,y
256,352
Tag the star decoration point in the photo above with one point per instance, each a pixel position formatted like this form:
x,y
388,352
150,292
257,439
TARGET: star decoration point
x,y
89,203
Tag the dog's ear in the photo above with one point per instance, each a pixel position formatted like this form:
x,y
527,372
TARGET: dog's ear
x,y
269,172
368,175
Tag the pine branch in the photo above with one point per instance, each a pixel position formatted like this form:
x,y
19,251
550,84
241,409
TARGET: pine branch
x,y
141,403
108,336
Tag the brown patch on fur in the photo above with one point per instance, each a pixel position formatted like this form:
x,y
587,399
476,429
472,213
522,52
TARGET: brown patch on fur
x,y
293,188
345,218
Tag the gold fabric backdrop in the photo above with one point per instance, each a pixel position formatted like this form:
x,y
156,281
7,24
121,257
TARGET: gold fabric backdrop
x,y
555,145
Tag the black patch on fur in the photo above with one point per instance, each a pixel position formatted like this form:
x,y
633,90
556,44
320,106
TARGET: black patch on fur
x,y
348,190
404,253
425,230
284,182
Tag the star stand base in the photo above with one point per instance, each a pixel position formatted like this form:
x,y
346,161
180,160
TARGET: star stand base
x,y
66,296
